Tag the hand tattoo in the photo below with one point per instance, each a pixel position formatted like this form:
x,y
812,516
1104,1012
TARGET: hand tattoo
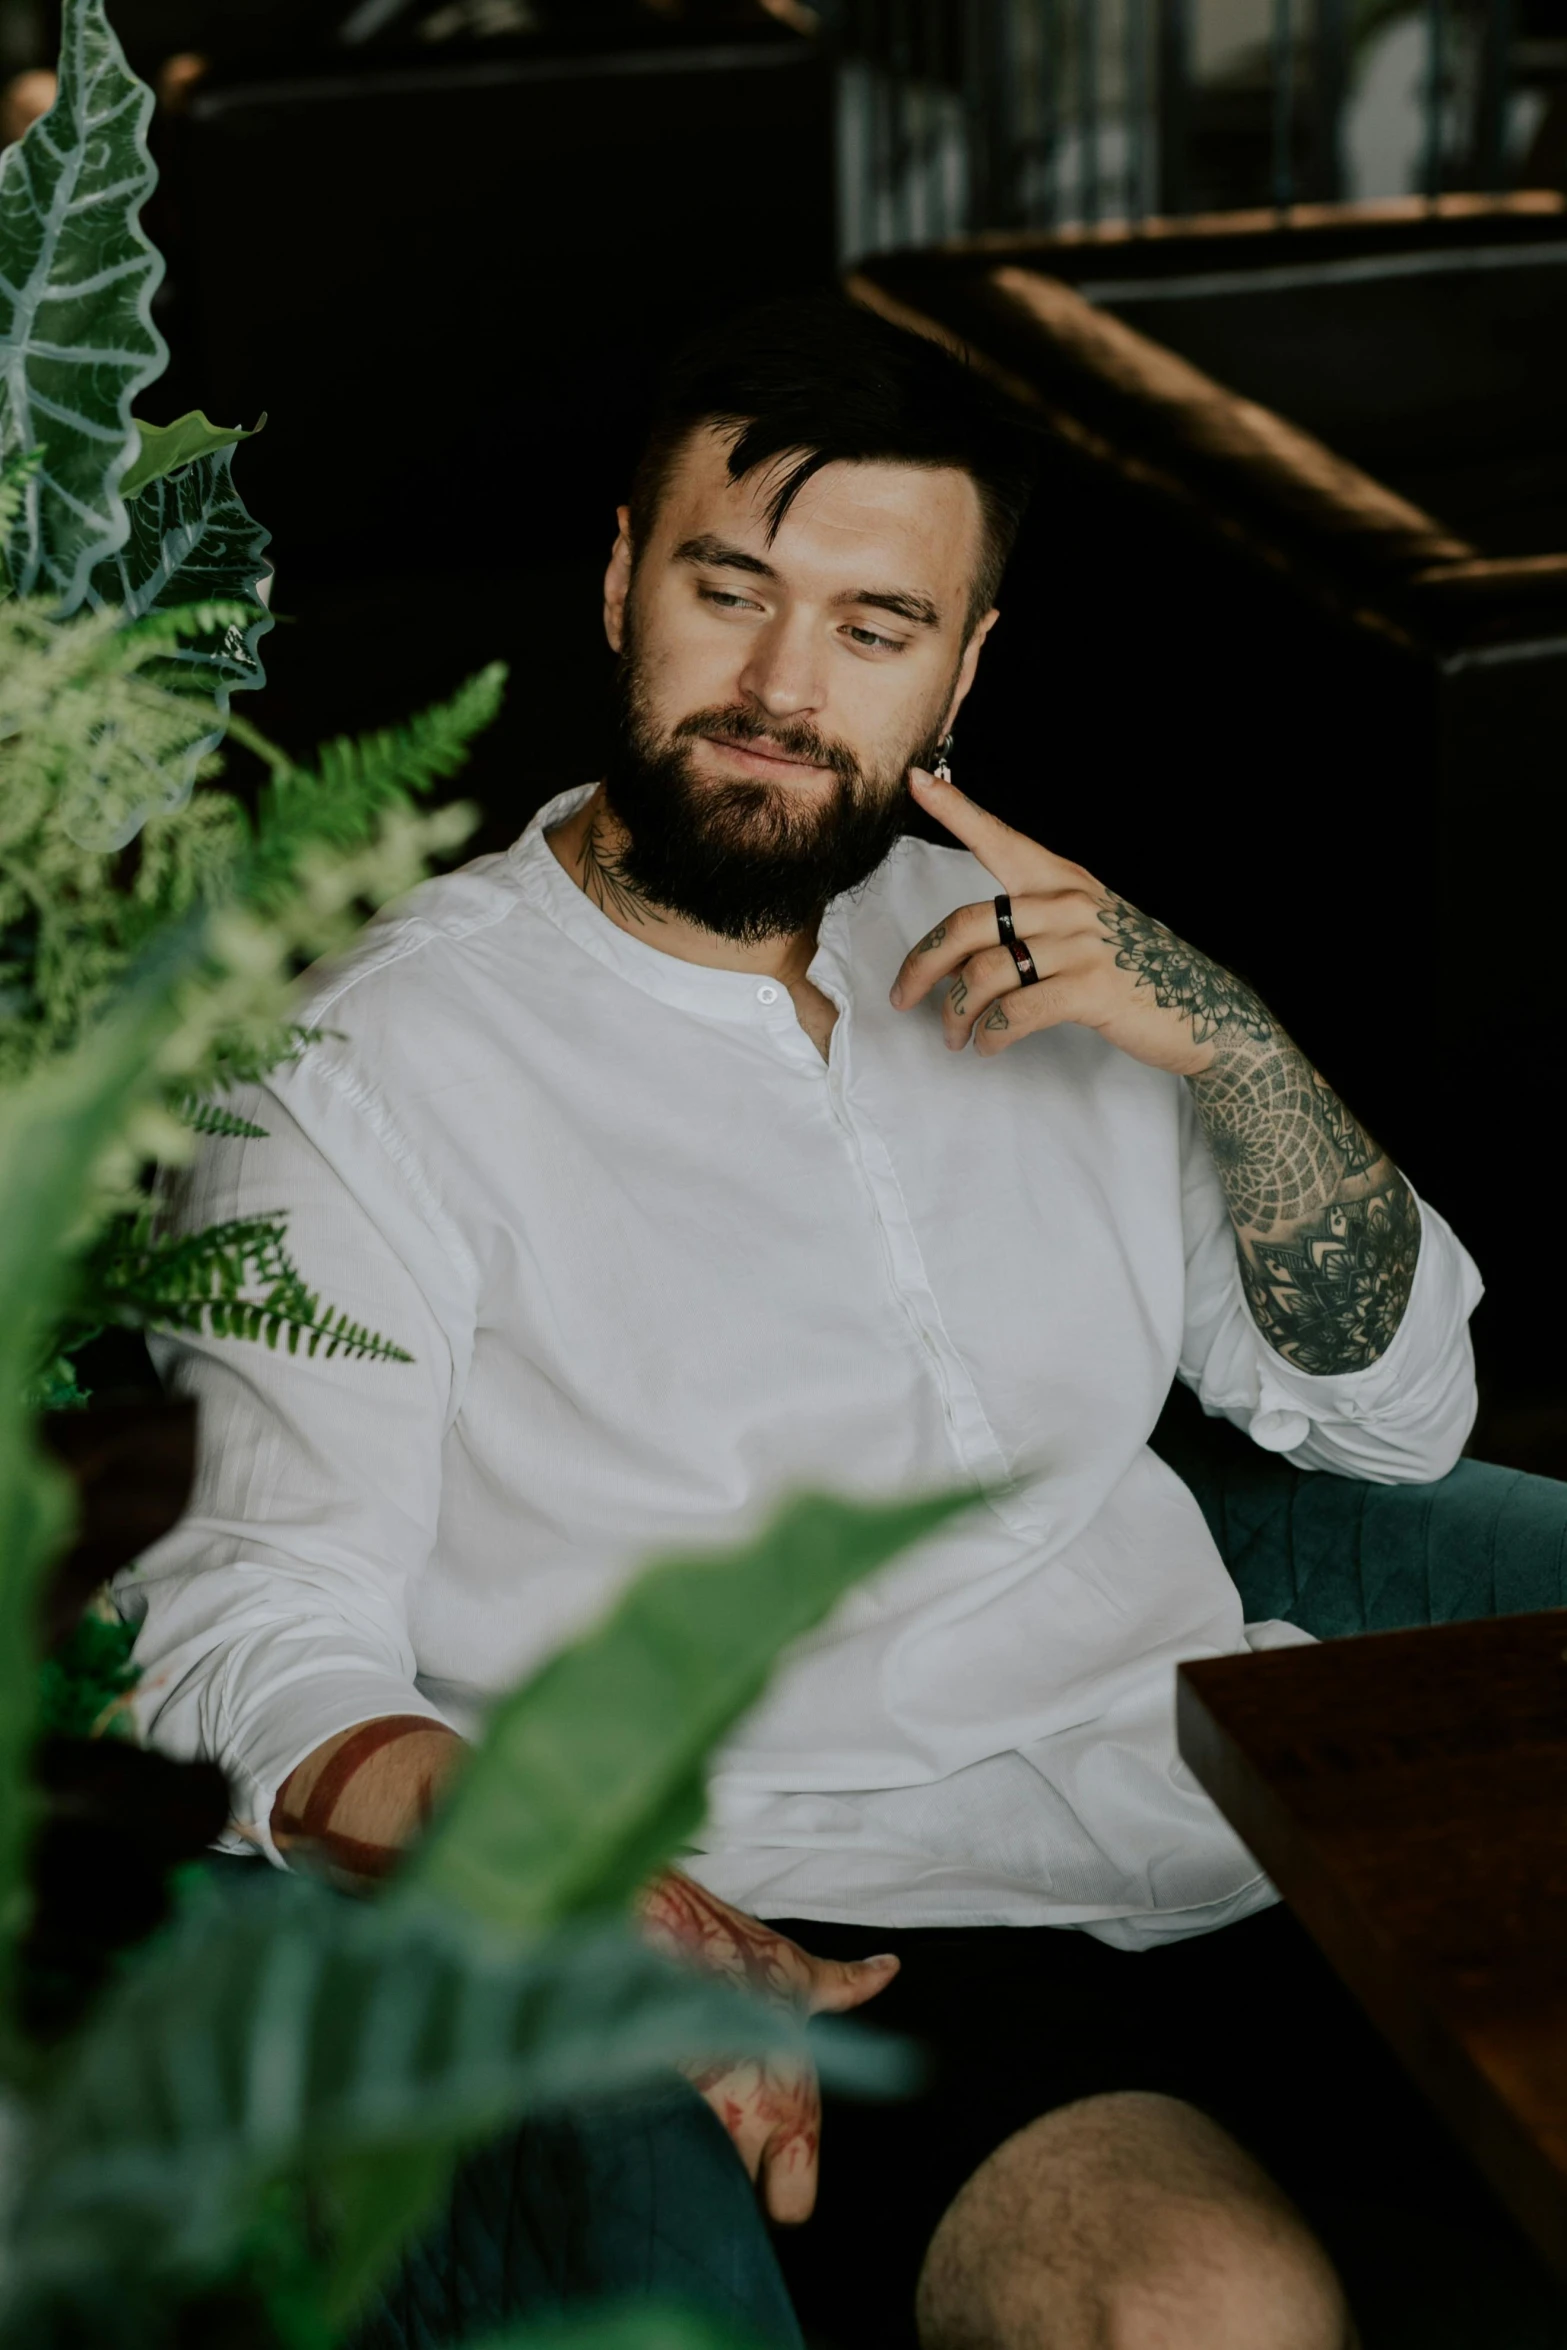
x,y
684,1919
1183,980
932,938
778,2099
1327,1228
995,1018
606,884
957,993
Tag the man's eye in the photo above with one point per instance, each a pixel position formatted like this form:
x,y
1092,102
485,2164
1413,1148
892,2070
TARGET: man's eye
x,y
868,636
727,597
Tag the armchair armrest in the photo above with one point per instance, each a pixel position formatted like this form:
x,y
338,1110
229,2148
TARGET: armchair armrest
x,y
1336,1556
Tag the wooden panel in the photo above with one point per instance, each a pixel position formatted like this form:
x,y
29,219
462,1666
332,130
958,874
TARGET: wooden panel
x,y
1408,1795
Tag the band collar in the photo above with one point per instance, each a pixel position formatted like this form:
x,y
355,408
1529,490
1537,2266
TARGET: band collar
x,y
712,994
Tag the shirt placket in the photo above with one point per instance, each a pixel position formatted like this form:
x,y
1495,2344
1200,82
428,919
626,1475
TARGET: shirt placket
x,y
974,1441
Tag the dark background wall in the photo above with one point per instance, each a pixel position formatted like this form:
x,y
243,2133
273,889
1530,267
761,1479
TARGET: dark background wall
x,y
449,271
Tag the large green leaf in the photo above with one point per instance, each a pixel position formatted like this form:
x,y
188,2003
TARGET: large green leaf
x,y
284,2030
77,342
191,541
166,447
54,1128
589,1778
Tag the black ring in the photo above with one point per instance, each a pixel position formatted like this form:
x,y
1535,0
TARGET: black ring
x,y
1024,961
1004,920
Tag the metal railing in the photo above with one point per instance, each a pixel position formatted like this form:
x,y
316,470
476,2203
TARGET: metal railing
x,y
963,115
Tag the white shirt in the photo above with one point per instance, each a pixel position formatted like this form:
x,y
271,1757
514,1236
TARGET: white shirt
x,y
659,1265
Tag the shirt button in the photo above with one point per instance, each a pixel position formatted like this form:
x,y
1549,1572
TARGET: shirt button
x,y
767,995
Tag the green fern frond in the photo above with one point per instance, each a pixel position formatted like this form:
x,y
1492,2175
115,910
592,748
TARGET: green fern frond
x,y
204,1116
133,644
231,1280
337,805
15,474
83,1685
56,1387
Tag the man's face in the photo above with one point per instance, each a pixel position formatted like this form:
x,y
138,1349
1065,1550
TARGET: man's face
x,y
774,693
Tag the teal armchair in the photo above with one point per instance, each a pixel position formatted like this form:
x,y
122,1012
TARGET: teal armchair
x,y
650,2201
1336,1556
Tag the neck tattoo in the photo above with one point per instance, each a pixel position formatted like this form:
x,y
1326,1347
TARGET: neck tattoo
x,y
605,883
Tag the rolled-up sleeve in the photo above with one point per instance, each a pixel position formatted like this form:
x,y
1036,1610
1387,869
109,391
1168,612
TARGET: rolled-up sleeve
x,y
274,1616
1404,1419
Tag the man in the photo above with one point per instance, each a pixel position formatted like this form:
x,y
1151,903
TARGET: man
x,y
718,1140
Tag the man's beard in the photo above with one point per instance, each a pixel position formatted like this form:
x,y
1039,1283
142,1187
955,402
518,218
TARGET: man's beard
x,y
746,860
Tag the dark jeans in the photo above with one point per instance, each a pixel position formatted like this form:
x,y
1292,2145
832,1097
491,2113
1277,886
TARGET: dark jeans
x,y
643,2199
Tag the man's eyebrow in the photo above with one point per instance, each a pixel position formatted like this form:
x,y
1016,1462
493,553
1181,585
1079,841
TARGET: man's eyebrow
x,y
720,555
918,609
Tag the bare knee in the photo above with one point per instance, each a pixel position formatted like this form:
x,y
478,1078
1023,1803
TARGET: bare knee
x,y
1127,2223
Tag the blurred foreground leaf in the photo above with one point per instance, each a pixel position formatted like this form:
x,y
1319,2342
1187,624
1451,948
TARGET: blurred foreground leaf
x,y
284,2033
54,1129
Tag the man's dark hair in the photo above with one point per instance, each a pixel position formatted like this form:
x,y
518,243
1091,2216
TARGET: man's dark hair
x,y
830,380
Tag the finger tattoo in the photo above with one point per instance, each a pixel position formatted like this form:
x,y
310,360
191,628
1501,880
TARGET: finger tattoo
x,y
957,994
932,938
996,1018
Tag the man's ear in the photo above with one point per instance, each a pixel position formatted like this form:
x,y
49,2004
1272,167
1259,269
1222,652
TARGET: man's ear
x,y
617,581
968,665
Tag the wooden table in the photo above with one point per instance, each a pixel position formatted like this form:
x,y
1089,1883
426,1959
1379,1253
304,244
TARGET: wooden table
x,y
1407,1793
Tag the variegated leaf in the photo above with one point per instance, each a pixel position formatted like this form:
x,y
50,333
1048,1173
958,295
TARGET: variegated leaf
x,y
192,542
77,276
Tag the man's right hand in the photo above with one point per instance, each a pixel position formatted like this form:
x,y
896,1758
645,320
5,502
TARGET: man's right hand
x,y
351,1808
771,2108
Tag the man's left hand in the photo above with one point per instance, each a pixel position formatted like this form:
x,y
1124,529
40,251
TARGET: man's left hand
x,y
1100,962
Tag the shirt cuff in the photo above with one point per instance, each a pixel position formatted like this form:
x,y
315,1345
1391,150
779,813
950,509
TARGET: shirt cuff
x,y
293,1722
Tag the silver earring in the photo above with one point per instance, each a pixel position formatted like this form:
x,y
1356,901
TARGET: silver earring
x,y
943,767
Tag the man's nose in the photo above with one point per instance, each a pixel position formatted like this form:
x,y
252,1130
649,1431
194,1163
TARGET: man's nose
x,y
784,670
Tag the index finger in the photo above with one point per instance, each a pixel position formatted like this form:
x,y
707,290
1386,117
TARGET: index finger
x,y
1010,856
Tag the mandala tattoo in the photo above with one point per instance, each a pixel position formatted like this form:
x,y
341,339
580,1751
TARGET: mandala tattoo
x,y
606,884
1330,1297
1327,1228
1273,1141
1183,980
1350,1139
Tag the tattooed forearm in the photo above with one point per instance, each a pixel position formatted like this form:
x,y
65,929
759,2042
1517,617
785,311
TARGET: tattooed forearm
x,y
1327,1229
1331,1295
606,884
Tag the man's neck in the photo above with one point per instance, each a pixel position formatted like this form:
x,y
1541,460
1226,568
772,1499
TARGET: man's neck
x,y
589,846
